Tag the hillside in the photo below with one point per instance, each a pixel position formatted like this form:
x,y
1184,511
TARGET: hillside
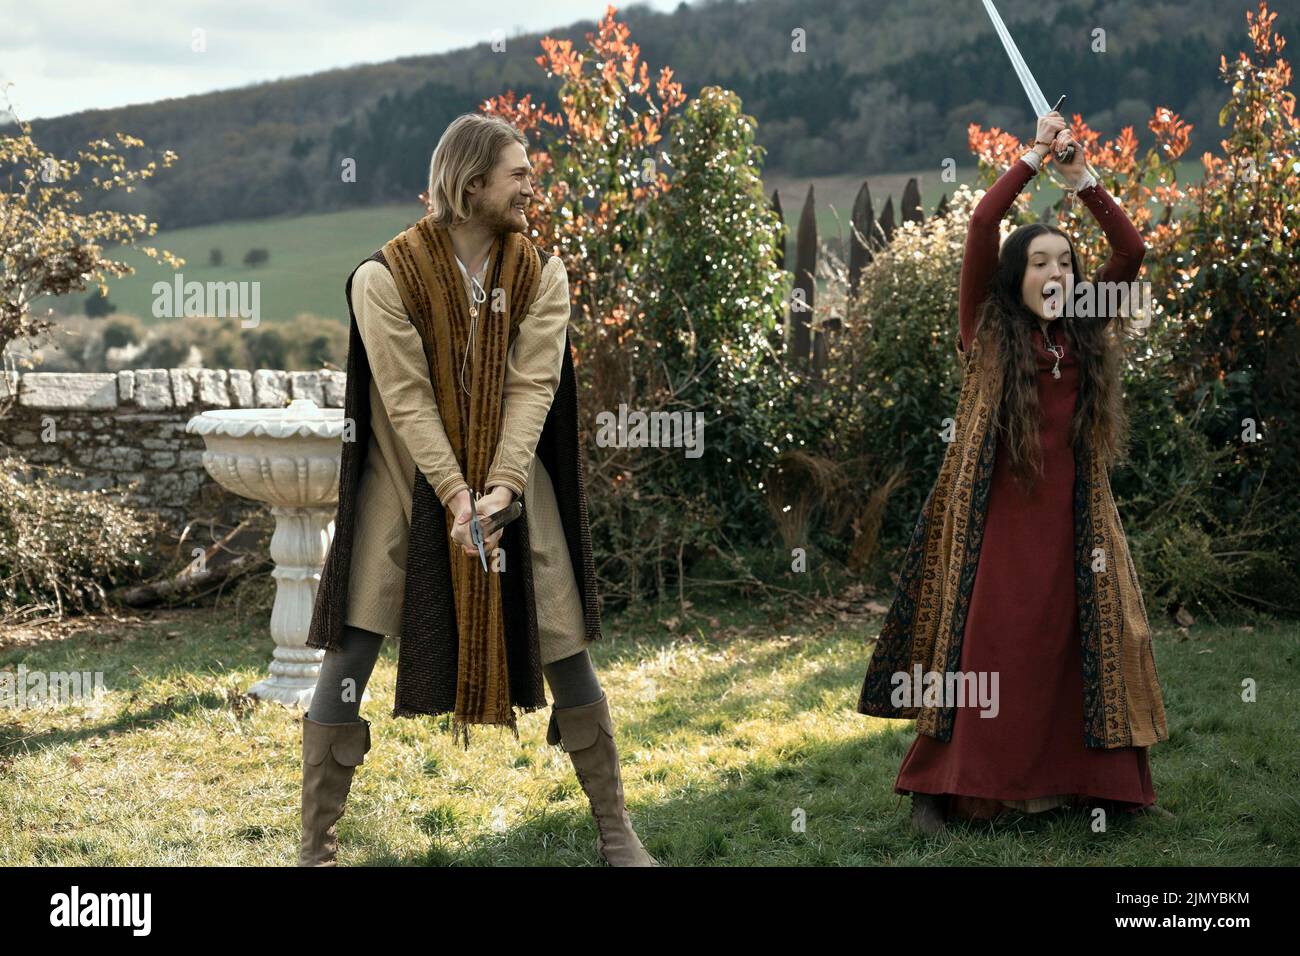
x,y
880,89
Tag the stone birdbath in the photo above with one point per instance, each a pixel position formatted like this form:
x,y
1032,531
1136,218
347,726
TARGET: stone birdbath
x,y
288,458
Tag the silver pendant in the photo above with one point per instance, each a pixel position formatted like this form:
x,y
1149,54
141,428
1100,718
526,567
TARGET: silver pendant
x,y
1058,353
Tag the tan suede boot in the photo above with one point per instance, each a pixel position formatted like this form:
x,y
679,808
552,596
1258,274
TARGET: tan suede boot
x,y
587,735
330,755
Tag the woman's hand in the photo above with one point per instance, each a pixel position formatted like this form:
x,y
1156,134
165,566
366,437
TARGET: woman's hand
x,y
1049,125
1072,171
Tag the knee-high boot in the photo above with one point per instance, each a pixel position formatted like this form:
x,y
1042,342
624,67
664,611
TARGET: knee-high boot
x,y
587,735
330,755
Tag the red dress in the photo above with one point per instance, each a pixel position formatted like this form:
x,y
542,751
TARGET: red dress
x,y
1023,619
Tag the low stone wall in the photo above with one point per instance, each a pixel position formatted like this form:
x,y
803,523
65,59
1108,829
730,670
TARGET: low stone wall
x,y
125,431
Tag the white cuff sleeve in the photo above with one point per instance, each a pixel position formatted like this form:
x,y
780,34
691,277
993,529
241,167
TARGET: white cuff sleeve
x,y
1086,181
1033,159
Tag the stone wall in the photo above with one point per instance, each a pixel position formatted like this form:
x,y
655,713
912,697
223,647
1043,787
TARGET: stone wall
x,y
125,431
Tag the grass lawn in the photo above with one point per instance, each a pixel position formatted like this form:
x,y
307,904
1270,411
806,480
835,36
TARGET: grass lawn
x,y
727,727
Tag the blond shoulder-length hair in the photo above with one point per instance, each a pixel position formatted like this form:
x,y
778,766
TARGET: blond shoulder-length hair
x,y
467,150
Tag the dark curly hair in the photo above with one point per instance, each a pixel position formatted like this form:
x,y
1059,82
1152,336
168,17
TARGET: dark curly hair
x,y
1006,326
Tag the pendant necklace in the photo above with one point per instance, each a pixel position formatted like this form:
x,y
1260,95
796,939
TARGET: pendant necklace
x,y
478,296
1056,350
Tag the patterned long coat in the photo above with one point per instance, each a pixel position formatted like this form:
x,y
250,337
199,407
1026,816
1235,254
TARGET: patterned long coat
x,y
926,621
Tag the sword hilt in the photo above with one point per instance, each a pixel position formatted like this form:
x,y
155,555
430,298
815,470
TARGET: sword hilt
x,y
1066,155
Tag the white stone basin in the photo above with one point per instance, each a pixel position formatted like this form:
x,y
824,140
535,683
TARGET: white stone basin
x,y
288,458
284,456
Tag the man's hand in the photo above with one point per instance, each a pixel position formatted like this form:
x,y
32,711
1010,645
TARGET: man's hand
x,y
462,507
499,497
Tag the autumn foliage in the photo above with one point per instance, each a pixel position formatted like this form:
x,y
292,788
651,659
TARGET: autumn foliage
x,y
1143,182
597,167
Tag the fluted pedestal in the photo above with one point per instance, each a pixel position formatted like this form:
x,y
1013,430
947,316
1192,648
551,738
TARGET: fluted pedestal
x,y
288,458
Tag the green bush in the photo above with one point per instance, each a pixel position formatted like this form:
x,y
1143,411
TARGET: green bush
x,y
715,299
122,330
1193,546
894,368
711,296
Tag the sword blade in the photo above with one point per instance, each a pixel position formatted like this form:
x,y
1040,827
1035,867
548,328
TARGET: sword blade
x,y
1036,98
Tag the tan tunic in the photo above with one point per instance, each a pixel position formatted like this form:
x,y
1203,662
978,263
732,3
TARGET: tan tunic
x,y
407,432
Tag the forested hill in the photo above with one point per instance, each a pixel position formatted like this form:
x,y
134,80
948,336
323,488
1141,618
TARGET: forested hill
x,y
883,85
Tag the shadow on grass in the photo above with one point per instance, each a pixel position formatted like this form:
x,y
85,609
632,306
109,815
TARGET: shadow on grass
x,y
135,657
15,741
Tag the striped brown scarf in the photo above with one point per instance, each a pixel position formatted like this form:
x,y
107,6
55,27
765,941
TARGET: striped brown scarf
x,y
423,264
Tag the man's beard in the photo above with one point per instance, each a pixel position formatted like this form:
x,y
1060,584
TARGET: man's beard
x,y
499,219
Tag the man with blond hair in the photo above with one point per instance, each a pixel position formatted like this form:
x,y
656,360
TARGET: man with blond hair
x,y
461,391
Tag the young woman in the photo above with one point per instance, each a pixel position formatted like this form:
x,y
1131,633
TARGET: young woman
x,y
1018,575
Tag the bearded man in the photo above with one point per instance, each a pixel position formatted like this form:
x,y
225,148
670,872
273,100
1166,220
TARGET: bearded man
x,y
461,391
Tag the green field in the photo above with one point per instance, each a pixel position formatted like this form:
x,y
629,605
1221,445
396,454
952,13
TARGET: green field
x,y
311,256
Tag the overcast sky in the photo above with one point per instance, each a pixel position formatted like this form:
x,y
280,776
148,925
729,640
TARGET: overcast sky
x,y
64,56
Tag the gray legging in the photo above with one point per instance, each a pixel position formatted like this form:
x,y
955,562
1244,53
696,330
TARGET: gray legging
x,y
344,673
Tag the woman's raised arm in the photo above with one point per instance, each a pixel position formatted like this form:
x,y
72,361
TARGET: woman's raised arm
x,y
1126,246
980,259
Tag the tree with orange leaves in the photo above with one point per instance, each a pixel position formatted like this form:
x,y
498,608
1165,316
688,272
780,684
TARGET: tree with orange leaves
x,y
638,222
598,170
